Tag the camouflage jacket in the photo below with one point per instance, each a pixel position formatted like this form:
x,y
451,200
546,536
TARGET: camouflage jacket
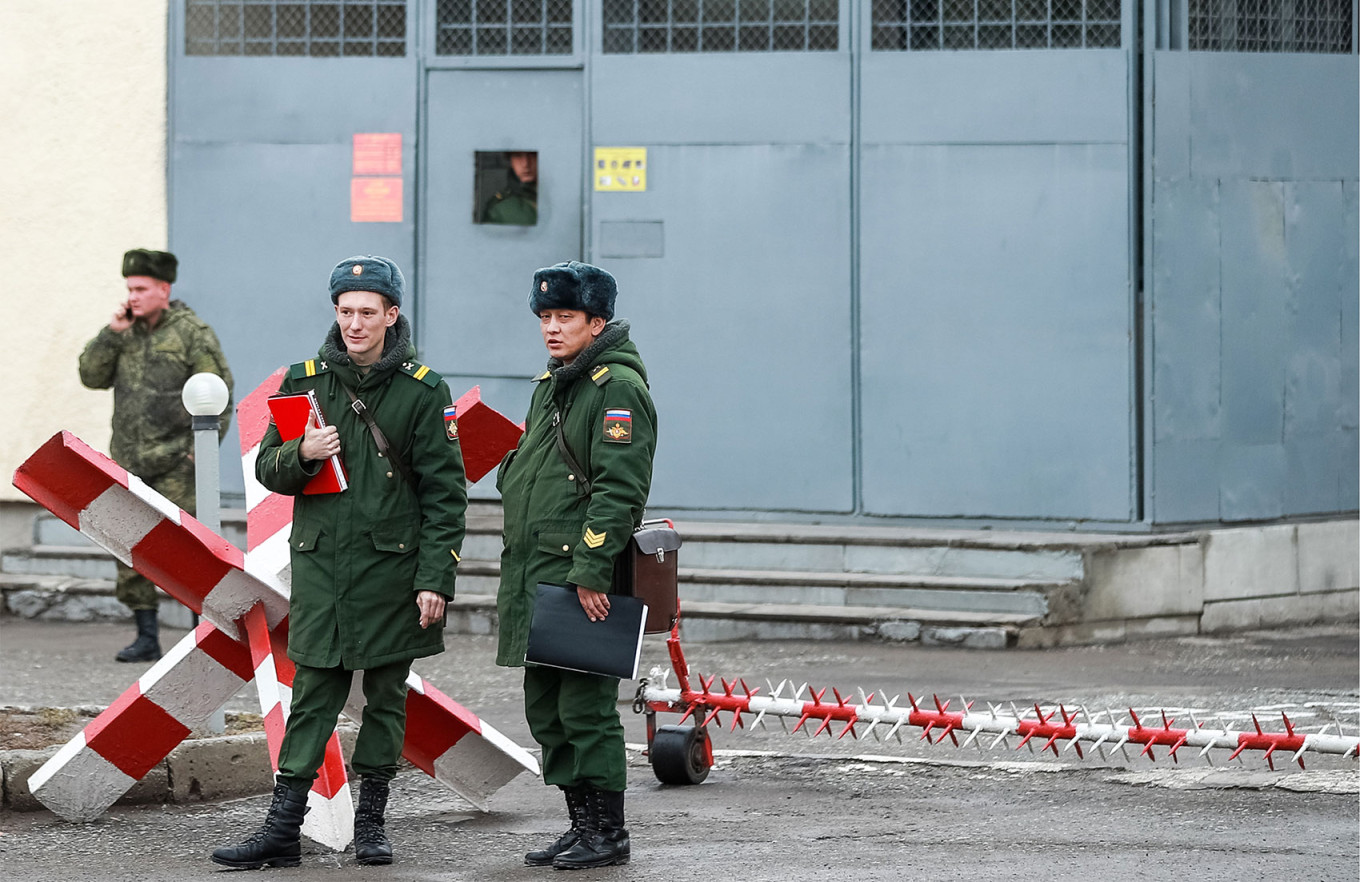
x,y
146,368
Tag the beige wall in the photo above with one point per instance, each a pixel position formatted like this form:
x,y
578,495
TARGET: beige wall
x,y
83,151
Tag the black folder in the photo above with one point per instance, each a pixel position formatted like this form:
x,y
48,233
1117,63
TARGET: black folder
x,y
562,636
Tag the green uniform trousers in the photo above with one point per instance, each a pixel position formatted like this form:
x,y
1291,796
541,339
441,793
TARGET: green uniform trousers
x,y
574,717
318,698
134,590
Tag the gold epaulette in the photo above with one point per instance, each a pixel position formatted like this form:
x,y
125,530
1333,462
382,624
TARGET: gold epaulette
x,y
309,368
422,372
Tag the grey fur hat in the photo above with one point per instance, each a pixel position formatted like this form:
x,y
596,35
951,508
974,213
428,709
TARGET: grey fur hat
x,y
368,273
574,285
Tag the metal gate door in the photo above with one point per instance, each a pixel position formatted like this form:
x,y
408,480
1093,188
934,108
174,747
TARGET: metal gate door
x,y
475,322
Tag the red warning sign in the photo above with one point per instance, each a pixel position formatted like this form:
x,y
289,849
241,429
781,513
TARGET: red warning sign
x,y
375,200
377,153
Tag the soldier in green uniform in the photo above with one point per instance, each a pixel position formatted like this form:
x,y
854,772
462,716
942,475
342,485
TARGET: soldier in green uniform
x,y
372,565
517,202
150,347
565,527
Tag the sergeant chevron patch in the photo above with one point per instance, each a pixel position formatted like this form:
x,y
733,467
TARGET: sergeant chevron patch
x,y
593,539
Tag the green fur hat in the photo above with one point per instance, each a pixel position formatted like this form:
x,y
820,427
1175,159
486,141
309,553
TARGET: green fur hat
x,y
156,264
574,285
368,273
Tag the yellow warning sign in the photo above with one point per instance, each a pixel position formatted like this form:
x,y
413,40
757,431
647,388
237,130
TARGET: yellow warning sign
x,y
621,168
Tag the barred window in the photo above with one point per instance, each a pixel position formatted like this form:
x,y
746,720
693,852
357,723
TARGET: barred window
x,y
503,27
638,26
916,25
1271,25
301,27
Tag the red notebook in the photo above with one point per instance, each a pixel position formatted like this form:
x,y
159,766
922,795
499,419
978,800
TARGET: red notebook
x,y
291,413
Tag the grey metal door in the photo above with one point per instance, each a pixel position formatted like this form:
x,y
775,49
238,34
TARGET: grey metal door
x,y
475,325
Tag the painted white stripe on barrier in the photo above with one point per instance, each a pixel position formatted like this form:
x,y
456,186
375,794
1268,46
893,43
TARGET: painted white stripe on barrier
x,y
236,593
474,769
117,523
330,822
255,491
143,491
78,784
188,683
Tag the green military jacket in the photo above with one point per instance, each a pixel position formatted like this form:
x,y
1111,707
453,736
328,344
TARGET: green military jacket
x,y
517,204
553,532
360,556
147,368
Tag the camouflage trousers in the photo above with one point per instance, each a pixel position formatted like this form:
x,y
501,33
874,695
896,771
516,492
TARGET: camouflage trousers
x,y
134,590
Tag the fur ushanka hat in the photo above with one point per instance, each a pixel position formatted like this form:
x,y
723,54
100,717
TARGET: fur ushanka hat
x,y
574,285
156,264
368,273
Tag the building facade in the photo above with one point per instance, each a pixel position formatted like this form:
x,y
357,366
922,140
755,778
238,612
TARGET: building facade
x,y
1072,262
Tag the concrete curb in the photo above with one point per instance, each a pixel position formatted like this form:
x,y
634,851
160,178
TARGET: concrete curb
x,y
198,770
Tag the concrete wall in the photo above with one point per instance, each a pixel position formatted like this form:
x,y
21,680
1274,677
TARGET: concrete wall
x,y
1214,581
83,143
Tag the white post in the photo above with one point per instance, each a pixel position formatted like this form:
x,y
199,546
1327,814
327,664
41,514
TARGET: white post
x,y
205,396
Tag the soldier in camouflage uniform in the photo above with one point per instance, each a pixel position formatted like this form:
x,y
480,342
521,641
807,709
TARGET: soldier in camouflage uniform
x,y
150,347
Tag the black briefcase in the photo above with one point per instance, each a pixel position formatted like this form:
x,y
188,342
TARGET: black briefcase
x,y
647,569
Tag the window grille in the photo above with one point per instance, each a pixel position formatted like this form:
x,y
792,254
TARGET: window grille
x,y
919,25
503,27
1272,25
659,26
301,27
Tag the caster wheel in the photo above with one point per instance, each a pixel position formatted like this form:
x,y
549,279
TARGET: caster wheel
x,y
678,755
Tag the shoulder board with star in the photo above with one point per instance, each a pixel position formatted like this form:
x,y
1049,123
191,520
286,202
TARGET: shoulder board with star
x,y
601,375
309,368
422,372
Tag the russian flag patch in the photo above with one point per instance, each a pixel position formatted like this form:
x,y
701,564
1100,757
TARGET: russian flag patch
x,y
618,425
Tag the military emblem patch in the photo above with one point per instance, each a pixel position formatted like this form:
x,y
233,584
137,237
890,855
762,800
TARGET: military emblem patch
x,y
593,539
358,269
543,286
618,425
451,421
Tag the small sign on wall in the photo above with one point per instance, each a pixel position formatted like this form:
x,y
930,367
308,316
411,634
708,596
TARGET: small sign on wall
x,y
375,186
621,168
375,200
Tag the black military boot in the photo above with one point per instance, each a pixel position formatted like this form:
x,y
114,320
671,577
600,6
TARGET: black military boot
x,y
604,842
576,810
278,843
370,839
147,646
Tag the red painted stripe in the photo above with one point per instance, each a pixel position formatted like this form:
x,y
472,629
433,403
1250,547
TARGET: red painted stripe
x,y
269,516
227,652
331,778
256,627
134,733
213,543
176,560
434,723
65,475
273,734
252,414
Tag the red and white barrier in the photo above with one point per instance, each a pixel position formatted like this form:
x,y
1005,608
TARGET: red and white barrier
x,y
137,731
244,600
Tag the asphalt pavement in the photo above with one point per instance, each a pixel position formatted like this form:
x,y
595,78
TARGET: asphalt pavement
x,y
781,805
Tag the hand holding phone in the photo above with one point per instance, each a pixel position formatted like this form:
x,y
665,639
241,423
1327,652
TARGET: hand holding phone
x,y
122,318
